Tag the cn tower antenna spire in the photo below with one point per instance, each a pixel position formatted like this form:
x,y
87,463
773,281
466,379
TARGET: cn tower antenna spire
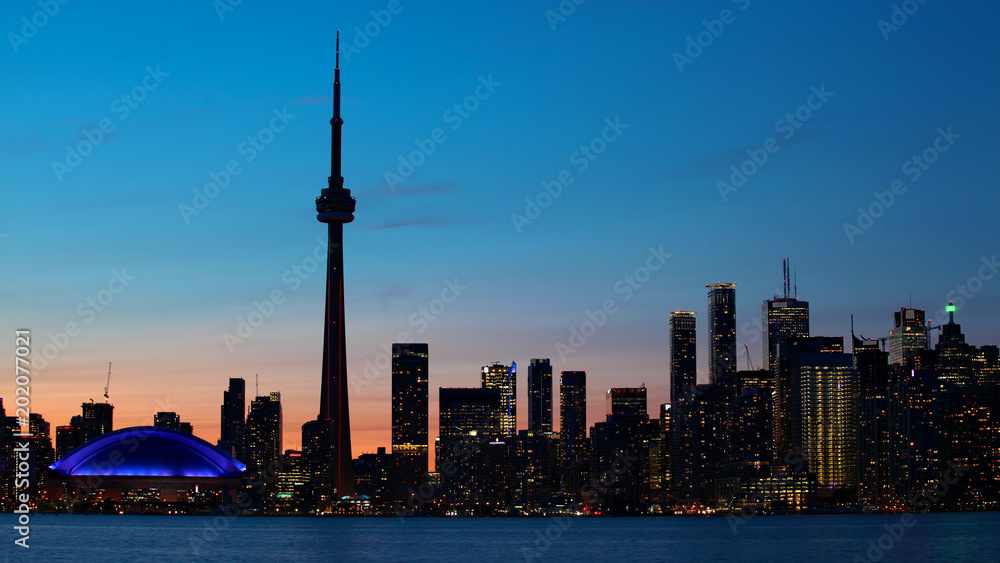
x,y
336,179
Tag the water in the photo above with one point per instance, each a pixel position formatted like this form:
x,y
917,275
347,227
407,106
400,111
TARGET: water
x,y
931,537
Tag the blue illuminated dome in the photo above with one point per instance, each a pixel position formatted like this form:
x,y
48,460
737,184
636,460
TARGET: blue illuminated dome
x,y
147,451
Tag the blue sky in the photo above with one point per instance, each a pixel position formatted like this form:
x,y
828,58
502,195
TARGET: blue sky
x,y
209,83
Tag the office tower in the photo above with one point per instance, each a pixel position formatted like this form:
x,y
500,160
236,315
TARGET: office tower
x,y
466,410
626,401
468,421
376,474
621,444
683,378
784,318
722,334
264,425
986,365
907,337
750,426
914,449
872,365
967,423
699,442
954,355
504,380
683,359
410,412
659,457
233,425
69,436
827,416
787,396
574,454
540,395
172,421
335,207
292,483
535,466
755,379
97,419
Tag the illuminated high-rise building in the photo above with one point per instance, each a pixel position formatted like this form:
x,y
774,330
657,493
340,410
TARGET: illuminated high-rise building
x,y
872,365
233,425
954,355
699,442
788,404
504,380
172,420
986,365
468,422
622,443
264,438
683,378
828,387
908,336
626,401
784,318
574,451
97,419
914,448
683,350
540,395
722,334
410,412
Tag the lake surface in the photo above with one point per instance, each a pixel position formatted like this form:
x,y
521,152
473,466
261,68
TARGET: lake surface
x,y
929,537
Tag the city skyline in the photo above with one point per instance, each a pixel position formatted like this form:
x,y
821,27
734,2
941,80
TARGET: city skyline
x,y
155,289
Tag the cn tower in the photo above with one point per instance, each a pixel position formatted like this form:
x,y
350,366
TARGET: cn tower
x,y
335,206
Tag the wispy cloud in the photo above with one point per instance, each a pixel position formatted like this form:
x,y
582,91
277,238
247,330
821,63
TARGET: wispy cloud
x,y
418,190
312,100
412,223
393,293
710,164
21,146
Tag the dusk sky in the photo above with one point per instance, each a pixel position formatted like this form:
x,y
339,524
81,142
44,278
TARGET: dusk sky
x,y
485,104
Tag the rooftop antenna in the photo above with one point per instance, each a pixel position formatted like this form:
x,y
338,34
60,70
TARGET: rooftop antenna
x,y
256,379
796,292
784,279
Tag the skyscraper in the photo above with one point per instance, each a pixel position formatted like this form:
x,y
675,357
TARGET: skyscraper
x,y
907,337
335,207
683,359
98,419
872,365
954,355
171,420
683,378
573,430
409,412
783,318
828,386
504,380
540,395
722,334
264,426
626,401
622,442
233,427
469,420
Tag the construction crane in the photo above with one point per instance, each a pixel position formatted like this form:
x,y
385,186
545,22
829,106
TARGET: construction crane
x,y
746,349
108,384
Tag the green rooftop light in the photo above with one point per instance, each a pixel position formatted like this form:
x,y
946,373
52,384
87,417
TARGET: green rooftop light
x,y
950,308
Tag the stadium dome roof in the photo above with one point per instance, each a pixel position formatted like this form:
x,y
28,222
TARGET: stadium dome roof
x,y
148,451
